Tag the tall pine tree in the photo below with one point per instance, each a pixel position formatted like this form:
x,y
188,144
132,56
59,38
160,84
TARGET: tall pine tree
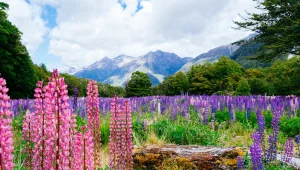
x,y
277,25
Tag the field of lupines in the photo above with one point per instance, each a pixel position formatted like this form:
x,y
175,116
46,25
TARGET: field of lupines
x,y
55,131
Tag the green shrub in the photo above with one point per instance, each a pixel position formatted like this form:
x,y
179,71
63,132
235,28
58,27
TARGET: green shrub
x,y
185,133
290,127
241,117
221,116
268,118
252,121
139,131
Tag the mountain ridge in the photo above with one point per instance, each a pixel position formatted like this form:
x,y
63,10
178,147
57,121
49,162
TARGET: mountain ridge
x,y
117,71
157,64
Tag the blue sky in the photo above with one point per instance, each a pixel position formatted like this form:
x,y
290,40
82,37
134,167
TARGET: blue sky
x,y
49,16
77,33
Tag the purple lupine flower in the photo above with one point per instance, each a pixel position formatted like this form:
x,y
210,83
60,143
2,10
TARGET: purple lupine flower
x,y
241,163
83,112
153,106
173,113
230,112
206,113
273,138
261,124
256,152
256,137
75,99
185,110
288,152
26,105
213,117
297,140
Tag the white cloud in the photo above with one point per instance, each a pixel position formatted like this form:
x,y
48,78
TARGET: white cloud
x,y
28,19
88,30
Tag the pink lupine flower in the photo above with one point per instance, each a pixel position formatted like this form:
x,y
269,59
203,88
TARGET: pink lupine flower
x,y
38,127
72,142
6,147
27,135
129,161
88,150
120,142
53,125
113,134
94,118
59,117
84,150
78,148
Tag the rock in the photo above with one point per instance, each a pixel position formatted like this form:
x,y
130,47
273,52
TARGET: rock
x,y
152,157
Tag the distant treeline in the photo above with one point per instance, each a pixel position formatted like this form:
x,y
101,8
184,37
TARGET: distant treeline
x,y
228,77
22,84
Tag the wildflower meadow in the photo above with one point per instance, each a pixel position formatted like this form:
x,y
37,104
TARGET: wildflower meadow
x,y
55,131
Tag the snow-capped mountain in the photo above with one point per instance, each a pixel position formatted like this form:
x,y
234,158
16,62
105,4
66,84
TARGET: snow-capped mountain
x,y
157,65
117,71
70,70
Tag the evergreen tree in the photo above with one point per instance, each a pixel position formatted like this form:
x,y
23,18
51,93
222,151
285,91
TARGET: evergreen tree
x,y
277,26
139,85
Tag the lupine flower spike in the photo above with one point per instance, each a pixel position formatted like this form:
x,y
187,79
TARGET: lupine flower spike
x,y
6,147
113,137
256,152
27,135
38,127
288,152
241,163
55,125
120,141
272,151
297,140
129,147
75,102
94,118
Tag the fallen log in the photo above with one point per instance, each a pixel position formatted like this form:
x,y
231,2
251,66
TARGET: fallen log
x,y
180,157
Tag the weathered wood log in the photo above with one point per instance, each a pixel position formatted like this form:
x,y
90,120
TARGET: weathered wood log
x,y
152,157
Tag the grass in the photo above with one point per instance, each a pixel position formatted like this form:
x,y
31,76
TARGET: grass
x,y
236,135
179,131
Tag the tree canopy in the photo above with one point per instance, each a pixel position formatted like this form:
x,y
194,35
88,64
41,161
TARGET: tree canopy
x,y
243,88
227,77
16,65
277,25
139,85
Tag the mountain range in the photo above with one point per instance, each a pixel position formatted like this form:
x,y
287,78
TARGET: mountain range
x,y
158,65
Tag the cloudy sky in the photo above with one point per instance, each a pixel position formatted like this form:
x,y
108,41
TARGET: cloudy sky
x,y
64,33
